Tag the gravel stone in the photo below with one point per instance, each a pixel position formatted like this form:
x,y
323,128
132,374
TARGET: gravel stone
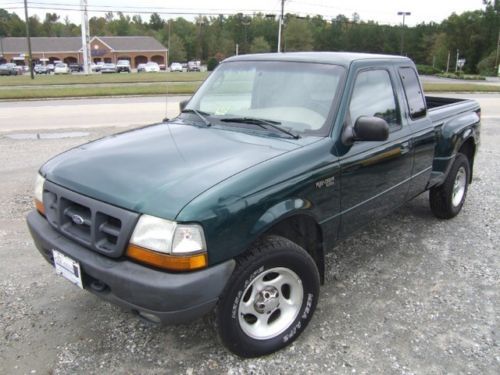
x,y
409,294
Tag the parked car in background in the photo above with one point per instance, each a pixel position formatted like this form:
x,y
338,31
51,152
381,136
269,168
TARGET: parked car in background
x,y
50,68
98,66
123,66
108,68
193,66
75,67
40,69
61,68
176,67
149,67
8,70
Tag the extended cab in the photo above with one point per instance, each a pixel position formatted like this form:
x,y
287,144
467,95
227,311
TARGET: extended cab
x,y
233,204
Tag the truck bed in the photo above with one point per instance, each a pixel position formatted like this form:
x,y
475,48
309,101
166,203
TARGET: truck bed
x,y
441,109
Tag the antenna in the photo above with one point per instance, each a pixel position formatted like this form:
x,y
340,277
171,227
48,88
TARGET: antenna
x,y
165,119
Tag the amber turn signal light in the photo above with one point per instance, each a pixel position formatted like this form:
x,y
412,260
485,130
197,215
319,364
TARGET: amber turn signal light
x,y
40,207
167,261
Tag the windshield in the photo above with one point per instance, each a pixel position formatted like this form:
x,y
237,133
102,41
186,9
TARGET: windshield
x,y
298,96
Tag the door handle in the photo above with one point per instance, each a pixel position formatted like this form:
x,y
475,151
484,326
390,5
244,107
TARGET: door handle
x,y
405,147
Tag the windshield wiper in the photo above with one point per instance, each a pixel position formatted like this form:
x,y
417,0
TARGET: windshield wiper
x,y
200,114
260,122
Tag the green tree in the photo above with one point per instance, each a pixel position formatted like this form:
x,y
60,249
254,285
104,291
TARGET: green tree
x,y
298,36
260,45
177,50
156,22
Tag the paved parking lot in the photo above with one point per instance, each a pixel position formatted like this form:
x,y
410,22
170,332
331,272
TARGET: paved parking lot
x,y
408,294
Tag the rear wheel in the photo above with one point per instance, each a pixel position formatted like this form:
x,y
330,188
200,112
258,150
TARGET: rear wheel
x,y
269,299
447,199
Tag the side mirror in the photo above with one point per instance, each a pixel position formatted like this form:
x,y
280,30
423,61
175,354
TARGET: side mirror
x,y
183,104
366,129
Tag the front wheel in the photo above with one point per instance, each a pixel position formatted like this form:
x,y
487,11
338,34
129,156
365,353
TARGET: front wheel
x,y
269,299
447,199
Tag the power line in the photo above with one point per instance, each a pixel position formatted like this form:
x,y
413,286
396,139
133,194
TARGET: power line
x,y
76,7
171,12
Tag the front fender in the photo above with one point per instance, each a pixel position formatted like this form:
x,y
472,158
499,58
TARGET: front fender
x,y
279,212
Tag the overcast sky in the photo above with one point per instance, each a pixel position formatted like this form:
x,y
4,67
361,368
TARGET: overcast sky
x,y
384,11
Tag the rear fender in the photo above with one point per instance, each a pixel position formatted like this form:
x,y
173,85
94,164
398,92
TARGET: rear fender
x,y
453,134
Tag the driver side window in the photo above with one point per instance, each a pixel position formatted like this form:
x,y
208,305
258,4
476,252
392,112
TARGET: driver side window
x,y
373,95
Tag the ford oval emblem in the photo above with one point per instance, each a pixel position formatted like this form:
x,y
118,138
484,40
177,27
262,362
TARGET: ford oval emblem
x,y
77,219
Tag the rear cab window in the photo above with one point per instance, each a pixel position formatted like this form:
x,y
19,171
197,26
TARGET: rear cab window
x,y
413,92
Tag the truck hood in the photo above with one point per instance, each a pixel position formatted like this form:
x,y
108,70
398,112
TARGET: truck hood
x,y
157,170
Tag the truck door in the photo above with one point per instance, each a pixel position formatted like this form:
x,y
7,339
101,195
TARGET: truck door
x,y
424,135
374,175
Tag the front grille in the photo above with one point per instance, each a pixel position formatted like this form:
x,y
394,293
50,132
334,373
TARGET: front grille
x,y
92,223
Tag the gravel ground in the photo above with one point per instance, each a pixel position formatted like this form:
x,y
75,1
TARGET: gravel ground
x,y
409,294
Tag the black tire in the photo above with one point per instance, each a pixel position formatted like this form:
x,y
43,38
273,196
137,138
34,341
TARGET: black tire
x,y
442,197
273,256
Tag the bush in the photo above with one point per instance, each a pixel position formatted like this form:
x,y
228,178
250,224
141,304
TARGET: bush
x,y
212,64
427,69
461,75
487,66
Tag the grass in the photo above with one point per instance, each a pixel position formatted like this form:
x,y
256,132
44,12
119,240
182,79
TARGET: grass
x,y
153,84
97,91
460,87
80,79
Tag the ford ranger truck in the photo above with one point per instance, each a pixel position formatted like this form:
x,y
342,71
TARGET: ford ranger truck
x,y
232,206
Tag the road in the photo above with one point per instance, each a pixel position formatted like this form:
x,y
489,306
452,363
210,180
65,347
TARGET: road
x,y
492,81
124,112
86,113
409,294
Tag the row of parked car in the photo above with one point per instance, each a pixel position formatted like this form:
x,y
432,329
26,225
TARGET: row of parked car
x,y
59,67
190,66
11,69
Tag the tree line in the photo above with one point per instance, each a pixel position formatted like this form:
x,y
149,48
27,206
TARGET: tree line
x,y
474,34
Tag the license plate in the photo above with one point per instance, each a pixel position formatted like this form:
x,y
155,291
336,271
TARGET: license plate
x,y
67,268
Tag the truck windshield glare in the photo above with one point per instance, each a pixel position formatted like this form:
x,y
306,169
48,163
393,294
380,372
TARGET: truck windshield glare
x,y
297,95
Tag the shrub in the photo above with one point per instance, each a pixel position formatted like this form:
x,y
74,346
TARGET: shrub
x,y
427,69
487,66
212,64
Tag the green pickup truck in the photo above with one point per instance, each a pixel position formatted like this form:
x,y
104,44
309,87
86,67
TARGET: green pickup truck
x,y
231,206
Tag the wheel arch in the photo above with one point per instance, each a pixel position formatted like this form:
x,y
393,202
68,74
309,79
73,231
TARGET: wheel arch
x,y
468,148
292,220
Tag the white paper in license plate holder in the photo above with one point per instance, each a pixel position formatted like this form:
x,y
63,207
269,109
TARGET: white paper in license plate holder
x,y
67,268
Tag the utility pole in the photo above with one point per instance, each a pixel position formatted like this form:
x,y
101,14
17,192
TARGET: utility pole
x,y
404,14
281,24
496,60
28,37
456,61
168,46
85,38
1,48
448,62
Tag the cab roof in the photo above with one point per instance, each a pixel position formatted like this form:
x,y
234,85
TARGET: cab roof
x,y
336,58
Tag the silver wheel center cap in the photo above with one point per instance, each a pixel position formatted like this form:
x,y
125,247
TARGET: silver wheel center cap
x,y
267,300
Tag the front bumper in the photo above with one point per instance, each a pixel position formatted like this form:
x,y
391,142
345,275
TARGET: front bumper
x,y
170,297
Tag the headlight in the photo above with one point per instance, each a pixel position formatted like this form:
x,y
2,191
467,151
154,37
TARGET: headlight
x,y
39,193
166,244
